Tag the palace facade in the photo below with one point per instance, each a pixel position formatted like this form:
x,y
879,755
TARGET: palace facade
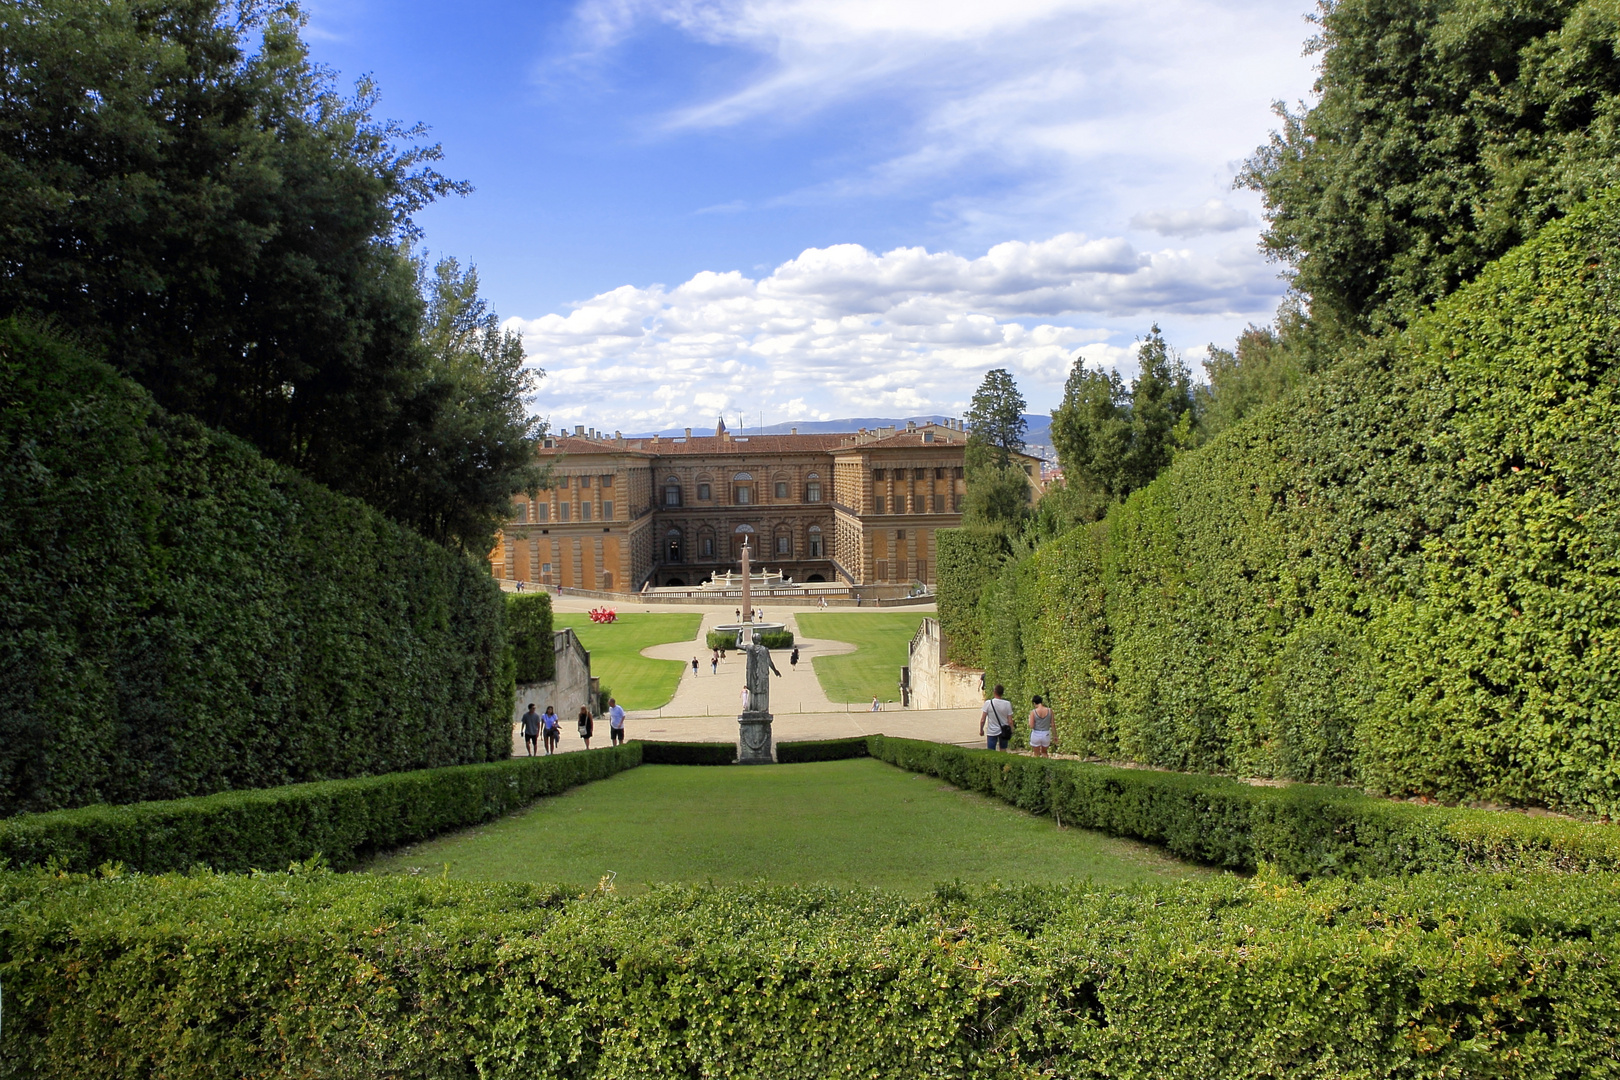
x,y
854,509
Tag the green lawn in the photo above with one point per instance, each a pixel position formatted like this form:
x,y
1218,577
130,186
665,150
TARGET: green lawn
x,y
873,670
843,822
615,648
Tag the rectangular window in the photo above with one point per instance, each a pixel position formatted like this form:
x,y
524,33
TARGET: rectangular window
x,y
545,568
812,491
544,510
922,569
520,511
939,474
781,490
607,511
784,545
605,481
745,496
883,569
877,504
562,483
919,474
672,496
899,534
939,503
956,504
957,472
562,511
607,579
703,493
708,547
877,475
584,511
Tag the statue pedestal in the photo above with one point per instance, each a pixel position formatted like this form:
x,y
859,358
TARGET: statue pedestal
x,y
754,738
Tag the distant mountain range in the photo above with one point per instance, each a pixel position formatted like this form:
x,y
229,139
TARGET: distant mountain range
x,y
1038,435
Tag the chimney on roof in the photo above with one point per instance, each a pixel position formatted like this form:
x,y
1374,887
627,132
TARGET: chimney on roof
x,y
911,425
795,431
617,437
688,433
579,429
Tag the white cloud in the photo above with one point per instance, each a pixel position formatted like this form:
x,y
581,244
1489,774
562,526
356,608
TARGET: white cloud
x,y
841,330
1215,216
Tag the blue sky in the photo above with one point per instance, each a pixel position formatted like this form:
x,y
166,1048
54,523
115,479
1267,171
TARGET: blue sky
x,y
830,208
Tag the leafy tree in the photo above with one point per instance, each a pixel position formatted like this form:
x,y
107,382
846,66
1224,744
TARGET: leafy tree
x,y
995,419
183,188
1267,361
1112,440
467,441
1447,131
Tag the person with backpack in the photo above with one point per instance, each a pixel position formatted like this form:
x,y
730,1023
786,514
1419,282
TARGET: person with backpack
x,y
995,720
1040,727
549,725
587,728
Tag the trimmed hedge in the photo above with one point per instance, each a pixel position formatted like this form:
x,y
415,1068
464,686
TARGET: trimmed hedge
x,y
1405,576
181,616
342,821
968,559
688,753
315,974
717,639
1300,830
777,639
791,753
529,629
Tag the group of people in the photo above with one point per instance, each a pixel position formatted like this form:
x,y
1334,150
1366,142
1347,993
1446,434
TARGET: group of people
x,y
996,723
758,613
547,726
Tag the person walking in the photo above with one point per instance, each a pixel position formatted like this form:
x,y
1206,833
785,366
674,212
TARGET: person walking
x,y
793,661
531,731
615,722
876,706
586,727
550,725
694,667
1040,727
714,663
995,720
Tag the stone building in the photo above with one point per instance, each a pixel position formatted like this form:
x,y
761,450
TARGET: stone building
x,y
853,509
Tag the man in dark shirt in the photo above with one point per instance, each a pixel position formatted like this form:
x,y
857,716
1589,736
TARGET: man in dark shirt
x,y
531,730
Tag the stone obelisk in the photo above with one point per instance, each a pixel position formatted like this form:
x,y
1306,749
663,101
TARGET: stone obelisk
x,y
754,724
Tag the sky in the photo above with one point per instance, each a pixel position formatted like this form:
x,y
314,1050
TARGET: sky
x,y
779,210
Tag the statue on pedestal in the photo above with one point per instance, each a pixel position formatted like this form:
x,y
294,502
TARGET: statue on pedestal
x,y
754,725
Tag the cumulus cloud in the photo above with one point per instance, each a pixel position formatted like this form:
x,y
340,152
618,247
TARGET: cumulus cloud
x,y
842,330
1215,216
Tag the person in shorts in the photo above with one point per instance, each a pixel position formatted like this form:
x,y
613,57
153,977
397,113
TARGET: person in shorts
x,y
531,731
586,727
549,725
995,720
1040,727
694,667
615,722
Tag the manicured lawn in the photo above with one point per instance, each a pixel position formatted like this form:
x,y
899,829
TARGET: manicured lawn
x,y
873,670
615,648
843,822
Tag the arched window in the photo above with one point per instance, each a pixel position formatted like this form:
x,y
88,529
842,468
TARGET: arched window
x,y
672,546
815,541
742,489
812,488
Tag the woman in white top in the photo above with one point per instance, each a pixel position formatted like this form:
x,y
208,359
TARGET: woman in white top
x,y
1040,727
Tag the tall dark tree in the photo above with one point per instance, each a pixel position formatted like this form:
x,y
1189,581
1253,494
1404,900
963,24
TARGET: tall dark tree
x,y
1112,440
998,490
182,188
1447,131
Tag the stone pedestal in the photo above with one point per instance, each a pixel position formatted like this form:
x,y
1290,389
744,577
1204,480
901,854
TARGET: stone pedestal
x,y
754,738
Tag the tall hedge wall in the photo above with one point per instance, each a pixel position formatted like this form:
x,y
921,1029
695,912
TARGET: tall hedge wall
x,y
968,560
182,617
299,975
529,629
1406,576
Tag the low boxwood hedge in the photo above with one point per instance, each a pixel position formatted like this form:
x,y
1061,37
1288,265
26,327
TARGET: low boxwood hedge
x,y
688,753
342,821
777,639
1300,829
788,753
319,974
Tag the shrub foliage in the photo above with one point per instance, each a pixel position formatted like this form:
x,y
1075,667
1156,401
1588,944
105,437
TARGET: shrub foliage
x,y
339,821
181,616
529,629
290,975
688,753
788,753
1405,575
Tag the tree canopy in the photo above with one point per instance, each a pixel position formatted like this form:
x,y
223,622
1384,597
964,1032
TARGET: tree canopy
x,y
186,193
1447,131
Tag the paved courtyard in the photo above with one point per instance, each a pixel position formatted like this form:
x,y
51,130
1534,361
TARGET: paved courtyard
x,y
705,705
